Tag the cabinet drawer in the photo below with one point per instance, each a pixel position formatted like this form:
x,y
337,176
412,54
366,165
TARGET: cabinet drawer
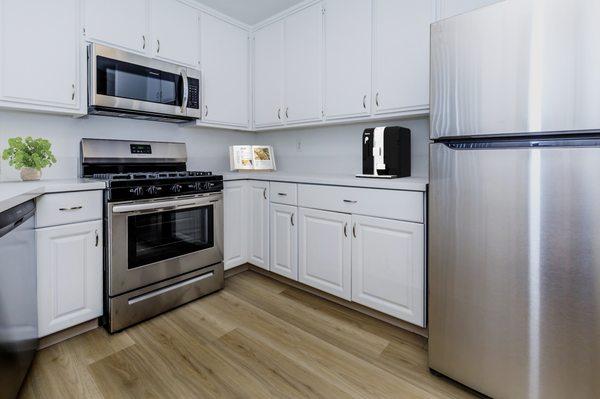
x,y
391,204
284,193
66,208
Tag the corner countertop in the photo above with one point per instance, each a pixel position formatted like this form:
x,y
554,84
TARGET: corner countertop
x,y
13,193
413,183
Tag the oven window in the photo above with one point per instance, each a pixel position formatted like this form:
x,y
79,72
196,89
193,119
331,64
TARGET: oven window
x,y
159,236
125,80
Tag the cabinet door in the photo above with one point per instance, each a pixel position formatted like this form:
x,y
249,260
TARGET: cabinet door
x,y
324,251
401,55
117,23
268,75
348,40
258,240
224,61
303,65
236,223
40,52
175,31
450,8
69,269
284,240
388,267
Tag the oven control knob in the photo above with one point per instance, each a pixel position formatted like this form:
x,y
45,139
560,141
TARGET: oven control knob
x,y
176,188
152,190
137,191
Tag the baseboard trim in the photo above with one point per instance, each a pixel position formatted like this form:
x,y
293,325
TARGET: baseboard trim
x,y
351,305
237,270
64,335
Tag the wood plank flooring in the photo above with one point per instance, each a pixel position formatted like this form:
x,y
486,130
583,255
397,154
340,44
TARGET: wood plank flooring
x,y
257,338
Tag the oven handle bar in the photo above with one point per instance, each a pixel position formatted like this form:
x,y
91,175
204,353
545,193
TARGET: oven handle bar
x,y
162,205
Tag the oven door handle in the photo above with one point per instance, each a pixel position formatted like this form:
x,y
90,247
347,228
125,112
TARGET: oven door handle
x,y
164,205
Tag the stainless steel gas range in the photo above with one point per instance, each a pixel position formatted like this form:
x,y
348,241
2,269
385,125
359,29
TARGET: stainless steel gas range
x,y
163,227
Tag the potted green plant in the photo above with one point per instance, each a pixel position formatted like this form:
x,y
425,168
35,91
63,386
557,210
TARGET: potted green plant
x,y
29,155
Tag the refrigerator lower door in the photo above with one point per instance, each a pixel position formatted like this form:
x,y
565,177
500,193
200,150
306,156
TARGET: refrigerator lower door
x,y
514,267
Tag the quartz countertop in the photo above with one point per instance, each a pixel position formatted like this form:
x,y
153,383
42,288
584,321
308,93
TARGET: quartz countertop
x,y
413,183
13,193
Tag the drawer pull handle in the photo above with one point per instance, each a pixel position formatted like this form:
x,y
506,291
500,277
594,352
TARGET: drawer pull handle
x,y
73,208
350,202
345,229
282,194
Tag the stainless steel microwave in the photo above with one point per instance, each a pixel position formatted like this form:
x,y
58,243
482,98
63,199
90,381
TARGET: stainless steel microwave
x,y
133,86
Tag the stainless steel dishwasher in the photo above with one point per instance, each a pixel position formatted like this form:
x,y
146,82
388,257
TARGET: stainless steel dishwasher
x,y
18,297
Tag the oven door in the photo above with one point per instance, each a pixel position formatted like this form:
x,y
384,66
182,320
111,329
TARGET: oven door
x,y
129,82
151,241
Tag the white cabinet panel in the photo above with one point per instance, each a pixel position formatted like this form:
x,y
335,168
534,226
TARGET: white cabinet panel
x,y
268,75
69,269
258,239
175,32
388,267
39,52
64,208
284,240
348,39
450,8
118,23
401,54
325,251
235,223
284,193
224,61
303,65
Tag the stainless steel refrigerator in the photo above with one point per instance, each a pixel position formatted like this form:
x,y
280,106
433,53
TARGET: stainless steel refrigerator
x,y
514,201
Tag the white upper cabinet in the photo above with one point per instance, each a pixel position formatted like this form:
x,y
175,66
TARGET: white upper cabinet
x,y
118,23
348,40
224,64
40,54
450,8
303,65
401,55
268,75
175,32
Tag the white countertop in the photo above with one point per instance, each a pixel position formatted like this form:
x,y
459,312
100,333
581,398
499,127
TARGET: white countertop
x,y
13,193
406,183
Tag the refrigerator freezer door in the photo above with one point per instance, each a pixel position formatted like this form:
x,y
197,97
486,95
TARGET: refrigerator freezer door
x,y
516,67
514,268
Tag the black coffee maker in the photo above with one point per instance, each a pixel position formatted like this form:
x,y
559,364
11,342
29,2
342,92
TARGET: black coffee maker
x,y
386,152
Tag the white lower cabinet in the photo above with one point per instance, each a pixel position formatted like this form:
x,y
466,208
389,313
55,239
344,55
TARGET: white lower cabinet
x,y
258,223
388,267
235,223
69,269
325,251
284,240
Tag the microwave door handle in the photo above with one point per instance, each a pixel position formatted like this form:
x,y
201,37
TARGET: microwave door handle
x,y
184,100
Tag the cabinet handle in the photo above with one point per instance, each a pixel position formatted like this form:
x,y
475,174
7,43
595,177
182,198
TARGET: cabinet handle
x,y
143,42
73,208
354,230
265,193
158,46
287,115
279,114
97,238
350,202
206,110
365,101
282,194
377,99
346,229
73,92
292,219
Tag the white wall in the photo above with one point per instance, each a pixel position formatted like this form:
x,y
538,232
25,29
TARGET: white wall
x,y
338,149
207,148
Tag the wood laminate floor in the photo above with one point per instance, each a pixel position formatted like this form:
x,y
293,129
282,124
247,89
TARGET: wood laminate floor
x,y
257,338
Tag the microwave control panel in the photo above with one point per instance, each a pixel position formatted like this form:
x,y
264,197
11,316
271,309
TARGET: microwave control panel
x,y
193,93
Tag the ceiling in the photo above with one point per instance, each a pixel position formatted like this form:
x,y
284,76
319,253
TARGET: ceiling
x,y
250,11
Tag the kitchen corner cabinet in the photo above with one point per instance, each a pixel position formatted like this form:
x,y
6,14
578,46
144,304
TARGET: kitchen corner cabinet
x,y
175,32
325,251
401,55
40,55
235,223
387,267
69,264
258,223
224,64
284,240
